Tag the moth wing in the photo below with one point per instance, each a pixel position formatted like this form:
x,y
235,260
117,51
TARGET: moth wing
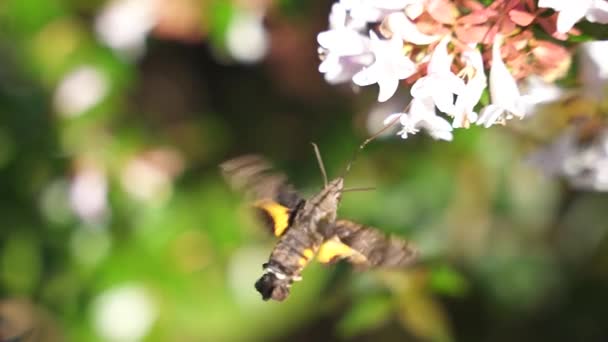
x,y
274,198
365,247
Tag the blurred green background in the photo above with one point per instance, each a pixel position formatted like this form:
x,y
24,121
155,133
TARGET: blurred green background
x,y
115,224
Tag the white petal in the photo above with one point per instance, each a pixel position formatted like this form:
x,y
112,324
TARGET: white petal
x,y
570,13
422,107
421,88
442,135
555,4
366,77
403,67
503,87
598,13
388,87
566,20
393,4
593,67
453,83
438,127
344,42
437,123
330,62
489,115
444,101
337,16
440,60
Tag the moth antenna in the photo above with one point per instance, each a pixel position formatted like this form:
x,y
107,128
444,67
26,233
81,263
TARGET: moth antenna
x,y
320,161
368,188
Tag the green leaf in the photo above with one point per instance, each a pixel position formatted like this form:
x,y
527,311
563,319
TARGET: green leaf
x,y
366,314
447,280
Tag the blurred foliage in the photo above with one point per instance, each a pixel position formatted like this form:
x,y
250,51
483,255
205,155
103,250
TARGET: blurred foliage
x,y
116,225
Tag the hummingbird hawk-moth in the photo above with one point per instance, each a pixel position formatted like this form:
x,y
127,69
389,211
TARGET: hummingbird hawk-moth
x,y
308,227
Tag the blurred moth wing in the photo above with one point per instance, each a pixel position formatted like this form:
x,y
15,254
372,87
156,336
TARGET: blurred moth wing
x,y
275,201
365,247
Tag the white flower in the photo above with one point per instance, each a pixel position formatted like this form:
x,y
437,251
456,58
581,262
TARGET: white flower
x,y
504,93
593,68
539,92
570,12
370,11
440,83
124,313
124,24
390,66
345,51
337,16
585,166
421,115
399,24
468,99
89,194
246,38
80,90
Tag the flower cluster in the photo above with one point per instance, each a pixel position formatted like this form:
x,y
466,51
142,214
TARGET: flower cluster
x,y
444,49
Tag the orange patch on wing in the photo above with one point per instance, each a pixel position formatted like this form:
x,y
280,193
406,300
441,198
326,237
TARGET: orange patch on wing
x,y
308,254
278,213
333,249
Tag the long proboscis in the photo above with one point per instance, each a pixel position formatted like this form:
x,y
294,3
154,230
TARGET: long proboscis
x,y
369,140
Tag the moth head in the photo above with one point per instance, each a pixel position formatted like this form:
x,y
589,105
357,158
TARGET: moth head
x,y
269,286
335,187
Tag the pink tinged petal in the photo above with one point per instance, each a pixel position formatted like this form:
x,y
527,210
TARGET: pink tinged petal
x,y
400,25
521,18
443,11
